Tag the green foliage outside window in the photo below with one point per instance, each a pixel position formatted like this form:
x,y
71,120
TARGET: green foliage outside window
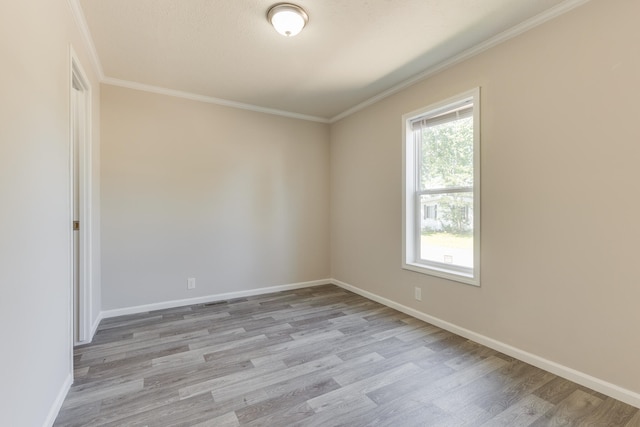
x,y
446,161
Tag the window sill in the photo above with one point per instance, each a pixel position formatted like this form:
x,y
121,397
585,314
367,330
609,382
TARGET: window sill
x,y
443,273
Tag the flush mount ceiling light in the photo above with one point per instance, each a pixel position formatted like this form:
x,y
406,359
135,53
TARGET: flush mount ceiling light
x,y
288,19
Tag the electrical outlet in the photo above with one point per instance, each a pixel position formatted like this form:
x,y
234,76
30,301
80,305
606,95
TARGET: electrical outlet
x,y
191,283
417,293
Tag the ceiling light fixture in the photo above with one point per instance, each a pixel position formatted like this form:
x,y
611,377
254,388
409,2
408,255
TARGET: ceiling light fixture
x,y
288,19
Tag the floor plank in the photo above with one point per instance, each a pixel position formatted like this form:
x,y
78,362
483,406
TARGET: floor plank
x,y
319,356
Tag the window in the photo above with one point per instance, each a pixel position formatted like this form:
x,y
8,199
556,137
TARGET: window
x,y
431,211
441,222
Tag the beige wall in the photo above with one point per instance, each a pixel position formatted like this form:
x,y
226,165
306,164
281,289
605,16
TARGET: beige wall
x,y
560,150
35,219
236,199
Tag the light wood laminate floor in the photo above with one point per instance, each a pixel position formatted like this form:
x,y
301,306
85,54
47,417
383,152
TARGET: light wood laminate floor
x,y
319,356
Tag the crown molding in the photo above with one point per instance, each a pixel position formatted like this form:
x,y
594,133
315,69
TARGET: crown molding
x,y
515,31
209,99
512,32
81,23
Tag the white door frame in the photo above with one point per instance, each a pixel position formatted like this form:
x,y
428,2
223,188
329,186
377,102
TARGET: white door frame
x,y
80,109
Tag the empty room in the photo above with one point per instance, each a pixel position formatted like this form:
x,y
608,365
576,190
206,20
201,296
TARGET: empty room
x,y
319,213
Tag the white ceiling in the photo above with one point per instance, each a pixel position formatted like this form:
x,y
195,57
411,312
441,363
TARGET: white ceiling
x,y
350,51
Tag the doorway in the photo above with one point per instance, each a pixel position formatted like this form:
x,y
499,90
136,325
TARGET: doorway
x,y
80,173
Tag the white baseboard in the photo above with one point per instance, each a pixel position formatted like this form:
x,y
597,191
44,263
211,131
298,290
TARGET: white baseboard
x,y
208,298
94,328
604,387
57,404
95,325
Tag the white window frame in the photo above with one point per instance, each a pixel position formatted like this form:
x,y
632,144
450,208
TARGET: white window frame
x,y
410,188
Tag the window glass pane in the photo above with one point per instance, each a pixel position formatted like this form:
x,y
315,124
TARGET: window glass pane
x,y
446,228
446,154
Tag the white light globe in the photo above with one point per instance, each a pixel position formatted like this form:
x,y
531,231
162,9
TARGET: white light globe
x,y
287,19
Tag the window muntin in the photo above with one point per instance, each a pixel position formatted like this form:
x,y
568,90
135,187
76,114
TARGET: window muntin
x,y
441,164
